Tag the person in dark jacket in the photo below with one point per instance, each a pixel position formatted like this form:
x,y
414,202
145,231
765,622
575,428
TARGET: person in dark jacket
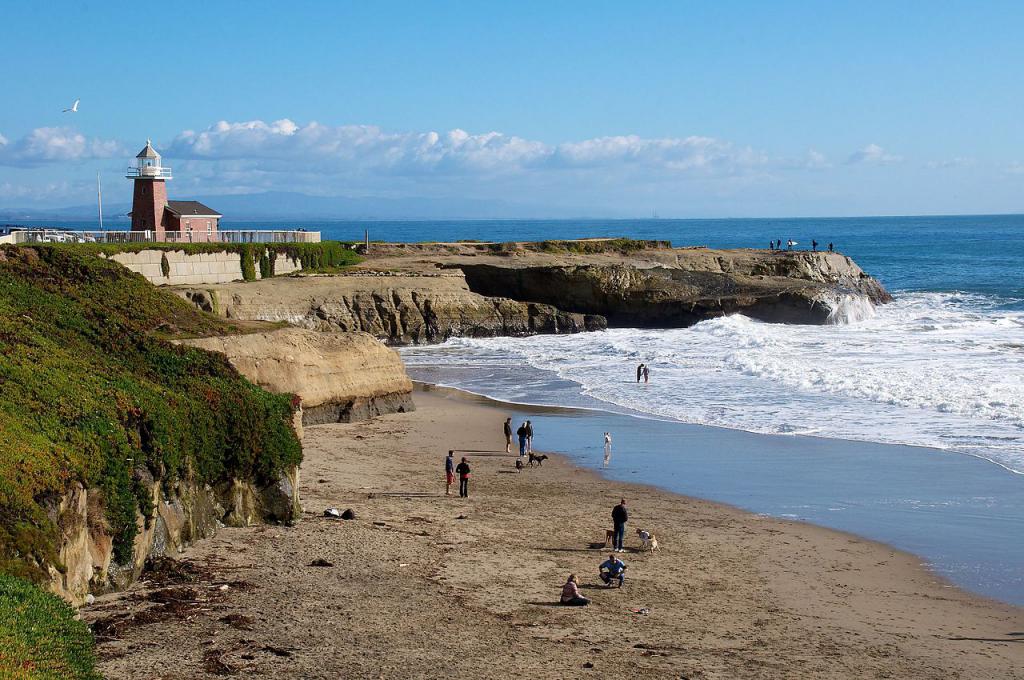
x,y
521,433
619,519
639,372
463,470
508,435
449,473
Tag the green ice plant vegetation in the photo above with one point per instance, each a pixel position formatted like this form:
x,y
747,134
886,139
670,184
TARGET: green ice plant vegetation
x,y
92,391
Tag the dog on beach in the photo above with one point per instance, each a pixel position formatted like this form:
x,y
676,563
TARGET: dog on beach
x,y
648,541
539,460
519,464
609,535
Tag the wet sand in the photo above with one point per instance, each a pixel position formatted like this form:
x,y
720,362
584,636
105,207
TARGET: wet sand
x,y
424,585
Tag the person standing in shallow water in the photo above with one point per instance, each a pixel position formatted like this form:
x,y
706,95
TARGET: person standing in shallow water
x,y
647,374
607,448
463,470
639,372
508,435
449,473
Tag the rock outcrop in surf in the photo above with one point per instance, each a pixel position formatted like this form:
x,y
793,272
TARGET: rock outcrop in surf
x,y
427,293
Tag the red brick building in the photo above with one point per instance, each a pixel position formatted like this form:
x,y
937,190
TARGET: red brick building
x,y
166,220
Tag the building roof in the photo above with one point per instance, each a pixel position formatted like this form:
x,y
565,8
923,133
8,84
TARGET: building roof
x,y
148,152
191,209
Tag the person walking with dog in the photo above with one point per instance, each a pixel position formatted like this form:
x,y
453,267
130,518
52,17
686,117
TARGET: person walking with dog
x,y
529,437
463,470
571,593
449,473
508,435
619,519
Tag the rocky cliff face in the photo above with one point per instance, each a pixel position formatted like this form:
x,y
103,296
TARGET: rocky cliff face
x,y
429,292
339,377
398,309
783,287
182,513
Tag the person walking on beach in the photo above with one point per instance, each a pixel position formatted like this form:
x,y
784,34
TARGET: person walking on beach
x,y
830,247
814,246
529,437
571,593
619,519
463,470
449,473
639,372
521,433
508,435
647,374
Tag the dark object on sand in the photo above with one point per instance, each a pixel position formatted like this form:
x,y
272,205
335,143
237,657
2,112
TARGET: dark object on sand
x,y
519,464
348,514
333,513
320,562
539,460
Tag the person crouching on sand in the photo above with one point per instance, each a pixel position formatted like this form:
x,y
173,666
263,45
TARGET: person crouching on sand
x,y
571,593
611,569
449,473
463,470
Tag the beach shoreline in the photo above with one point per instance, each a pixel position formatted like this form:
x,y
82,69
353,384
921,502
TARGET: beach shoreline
x,y
425,585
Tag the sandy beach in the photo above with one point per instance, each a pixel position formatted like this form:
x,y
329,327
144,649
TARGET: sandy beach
x,y
423,585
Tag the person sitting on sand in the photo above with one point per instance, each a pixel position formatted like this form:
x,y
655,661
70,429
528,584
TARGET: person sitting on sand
x,y
612,568
571,593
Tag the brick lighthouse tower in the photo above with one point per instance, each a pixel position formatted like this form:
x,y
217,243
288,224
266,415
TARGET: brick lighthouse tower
x,y
150,197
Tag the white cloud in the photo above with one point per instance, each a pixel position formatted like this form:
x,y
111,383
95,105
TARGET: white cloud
x,y
368,149
957,162
872,154
53,144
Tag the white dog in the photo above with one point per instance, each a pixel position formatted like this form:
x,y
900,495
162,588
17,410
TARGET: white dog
x,y
648,541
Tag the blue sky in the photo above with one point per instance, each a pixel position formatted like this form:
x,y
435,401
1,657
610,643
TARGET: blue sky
x,y
603,109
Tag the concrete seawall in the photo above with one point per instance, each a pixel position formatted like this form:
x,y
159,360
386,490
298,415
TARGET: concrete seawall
x,y
195,269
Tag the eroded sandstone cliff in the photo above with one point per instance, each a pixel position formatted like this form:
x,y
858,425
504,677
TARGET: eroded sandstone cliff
x,y
339,377
423,293
396,308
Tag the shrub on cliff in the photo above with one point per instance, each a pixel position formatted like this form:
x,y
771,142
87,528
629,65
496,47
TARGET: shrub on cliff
x,y
91,391
39,636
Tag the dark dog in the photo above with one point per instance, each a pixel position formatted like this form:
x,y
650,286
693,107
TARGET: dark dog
x,y
539,460
519,464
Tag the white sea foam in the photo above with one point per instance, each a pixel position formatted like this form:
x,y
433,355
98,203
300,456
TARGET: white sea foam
x,y
930,369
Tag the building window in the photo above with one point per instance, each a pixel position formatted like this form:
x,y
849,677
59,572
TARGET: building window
x,y
209,226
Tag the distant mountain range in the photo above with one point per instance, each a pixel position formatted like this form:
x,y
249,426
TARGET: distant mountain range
x,y
295,206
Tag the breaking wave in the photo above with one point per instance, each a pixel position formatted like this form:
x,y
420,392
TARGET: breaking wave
x,y
944,370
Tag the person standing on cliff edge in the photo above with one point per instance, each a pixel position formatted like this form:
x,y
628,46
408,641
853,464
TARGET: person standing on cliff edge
x,y
508,435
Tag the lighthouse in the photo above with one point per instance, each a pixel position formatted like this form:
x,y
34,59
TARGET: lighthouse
x,y
164,220
150,197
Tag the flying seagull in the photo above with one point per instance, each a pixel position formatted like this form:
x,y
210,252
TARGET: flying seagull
x,y
74,107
